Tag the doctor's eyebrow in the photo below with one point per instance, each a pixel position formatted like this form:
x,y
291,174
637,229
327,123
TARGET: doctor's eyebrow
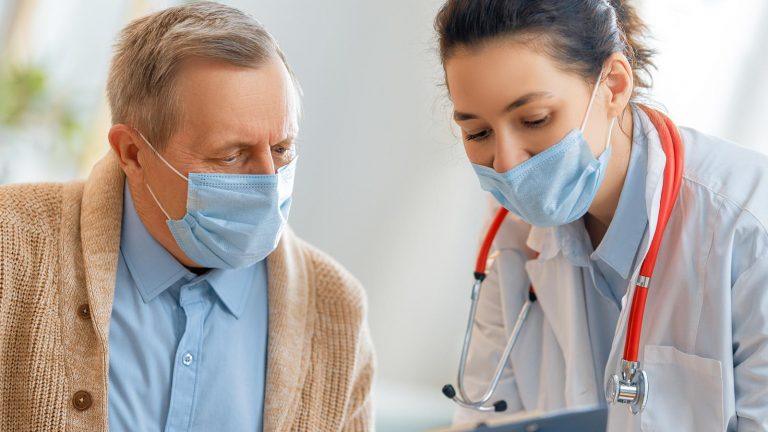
x,y
522,100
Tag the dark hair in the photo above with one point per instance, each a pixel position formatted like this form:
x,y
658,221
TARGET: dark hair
x,y
578,34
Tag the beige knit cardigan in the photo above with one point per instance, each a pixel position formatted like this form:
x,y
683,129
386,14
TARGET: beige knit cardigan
x,y
58,253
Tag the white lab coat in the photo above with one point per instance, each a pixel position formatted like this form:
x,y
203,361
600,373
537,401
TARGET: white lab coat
x,y
704,343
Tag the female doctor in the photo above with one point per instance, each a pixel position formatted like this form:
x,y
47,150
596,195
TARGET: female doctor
x,y
546,95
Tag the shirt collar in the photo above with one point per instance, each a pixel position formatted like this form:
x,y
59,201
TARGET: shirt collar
x,y
154,269
233,287
625,233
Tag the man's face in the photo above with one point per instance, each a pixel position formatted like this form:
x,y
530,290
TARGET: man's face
x,y
234,120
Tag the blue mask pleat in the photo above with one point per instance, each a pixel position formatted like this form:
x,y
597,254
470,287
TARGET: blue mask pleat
x,y
554,187
234,220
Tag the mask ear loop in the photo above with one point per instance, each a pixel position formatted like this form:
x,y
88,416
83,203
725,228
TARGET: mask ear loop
x,y
151,192
161,156
167,216
610,130
591,101
589,109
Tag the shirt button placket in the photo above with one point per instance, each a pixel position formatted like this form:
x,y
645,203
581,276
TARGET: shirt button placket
x,y
187,359
185,374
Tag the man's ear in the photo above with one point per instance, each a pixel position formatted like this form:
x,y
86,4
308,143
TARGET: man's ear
x,y
124,142
619,79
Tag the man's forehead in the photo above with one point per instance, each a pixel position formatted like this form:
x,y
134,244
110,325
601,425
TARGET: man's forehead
x,y
227,87
250,100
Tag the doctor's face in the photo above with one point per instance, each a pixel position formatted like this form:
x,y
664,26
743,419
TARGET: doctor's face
x,y
513,102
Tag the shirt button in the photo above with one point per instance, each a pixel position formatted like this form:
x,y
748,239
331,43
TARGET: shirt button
x,y
187,359
84,311
82,400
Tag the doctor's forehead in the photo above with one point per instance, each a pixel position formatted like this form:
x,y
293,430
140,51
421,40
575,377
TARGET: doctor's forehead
x,y
495,74
231,103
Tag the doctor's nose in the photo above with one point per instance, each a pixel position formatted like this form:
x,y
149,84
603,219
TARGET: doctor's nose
x,y
508,153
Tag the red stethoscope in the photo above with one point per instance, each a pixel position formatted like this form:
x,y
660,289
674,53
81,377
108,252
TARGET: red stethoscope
x,y
630,386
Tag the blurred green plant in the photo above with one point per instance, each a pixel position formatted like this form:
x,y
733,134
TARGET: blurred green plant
x,y
20,89
28,101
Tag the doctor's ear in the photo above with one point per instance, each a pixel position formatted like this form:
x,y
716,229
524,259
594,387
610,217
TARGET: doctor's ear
x,y
617,76
124,142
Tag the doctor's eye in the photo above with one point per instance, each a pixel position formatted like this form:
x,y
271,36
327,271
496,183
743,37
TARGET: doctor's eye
x,y
480,136
537,123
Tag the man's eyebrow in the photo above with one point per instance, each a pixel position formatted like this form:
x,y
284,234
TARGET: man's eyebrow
x,y
245,144
287,141
525,99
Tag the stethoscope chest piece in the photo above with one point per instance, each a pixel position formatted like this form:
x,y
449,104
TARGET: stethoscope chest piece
x,y
630,388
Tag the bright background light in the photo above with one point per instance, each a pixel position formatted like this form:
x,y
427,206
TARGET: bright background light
x,y
383,184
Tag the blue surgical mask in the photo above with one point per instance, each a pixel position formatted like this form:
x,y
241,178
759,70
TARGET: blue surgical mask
x,y
554,187
232,220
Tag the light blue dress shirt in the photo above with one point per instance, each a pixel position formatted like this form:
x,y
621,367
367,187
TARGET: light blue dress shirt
x,y
186,352
607,269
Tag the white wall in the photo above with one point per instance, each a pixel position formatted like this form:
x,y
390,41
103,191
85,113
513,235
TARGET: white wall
x,y
713,65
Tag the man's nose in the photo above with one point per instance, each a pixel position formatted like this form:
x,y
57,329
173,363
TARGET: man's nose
x,y
263,163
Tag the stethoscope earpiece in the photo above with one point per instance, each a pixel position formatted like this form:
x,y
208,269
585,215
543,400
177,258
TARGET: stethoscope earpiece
x,y
449,391
498,406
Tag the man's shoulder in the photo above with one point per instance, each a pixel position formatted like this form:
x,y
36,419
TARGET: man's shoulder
x,y
33,206
334,283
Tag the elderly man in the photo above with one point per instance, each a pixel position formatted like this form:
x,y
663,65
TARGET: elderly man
x,y
166,291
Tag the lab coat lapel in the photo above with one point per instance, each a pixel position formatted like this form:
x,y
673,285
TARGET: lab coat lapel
x,y
653,186
291,320
560,292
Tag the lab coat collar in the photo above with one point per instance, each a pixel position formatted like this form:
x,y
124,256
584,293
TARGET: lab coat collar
x,y
623,239
571,240
653,186
657,160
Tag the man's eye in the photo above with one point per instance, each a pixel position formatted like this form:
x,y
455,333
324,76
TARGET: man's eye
x,y
284,152
229,160
477,136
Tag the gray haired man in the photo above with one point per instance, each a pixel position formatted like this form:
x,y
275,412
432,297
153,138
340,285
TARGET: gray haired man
x,y
166,292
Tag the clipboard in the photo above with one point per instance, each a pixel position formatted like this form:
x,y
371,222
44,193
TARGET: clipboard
x,y
591,419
